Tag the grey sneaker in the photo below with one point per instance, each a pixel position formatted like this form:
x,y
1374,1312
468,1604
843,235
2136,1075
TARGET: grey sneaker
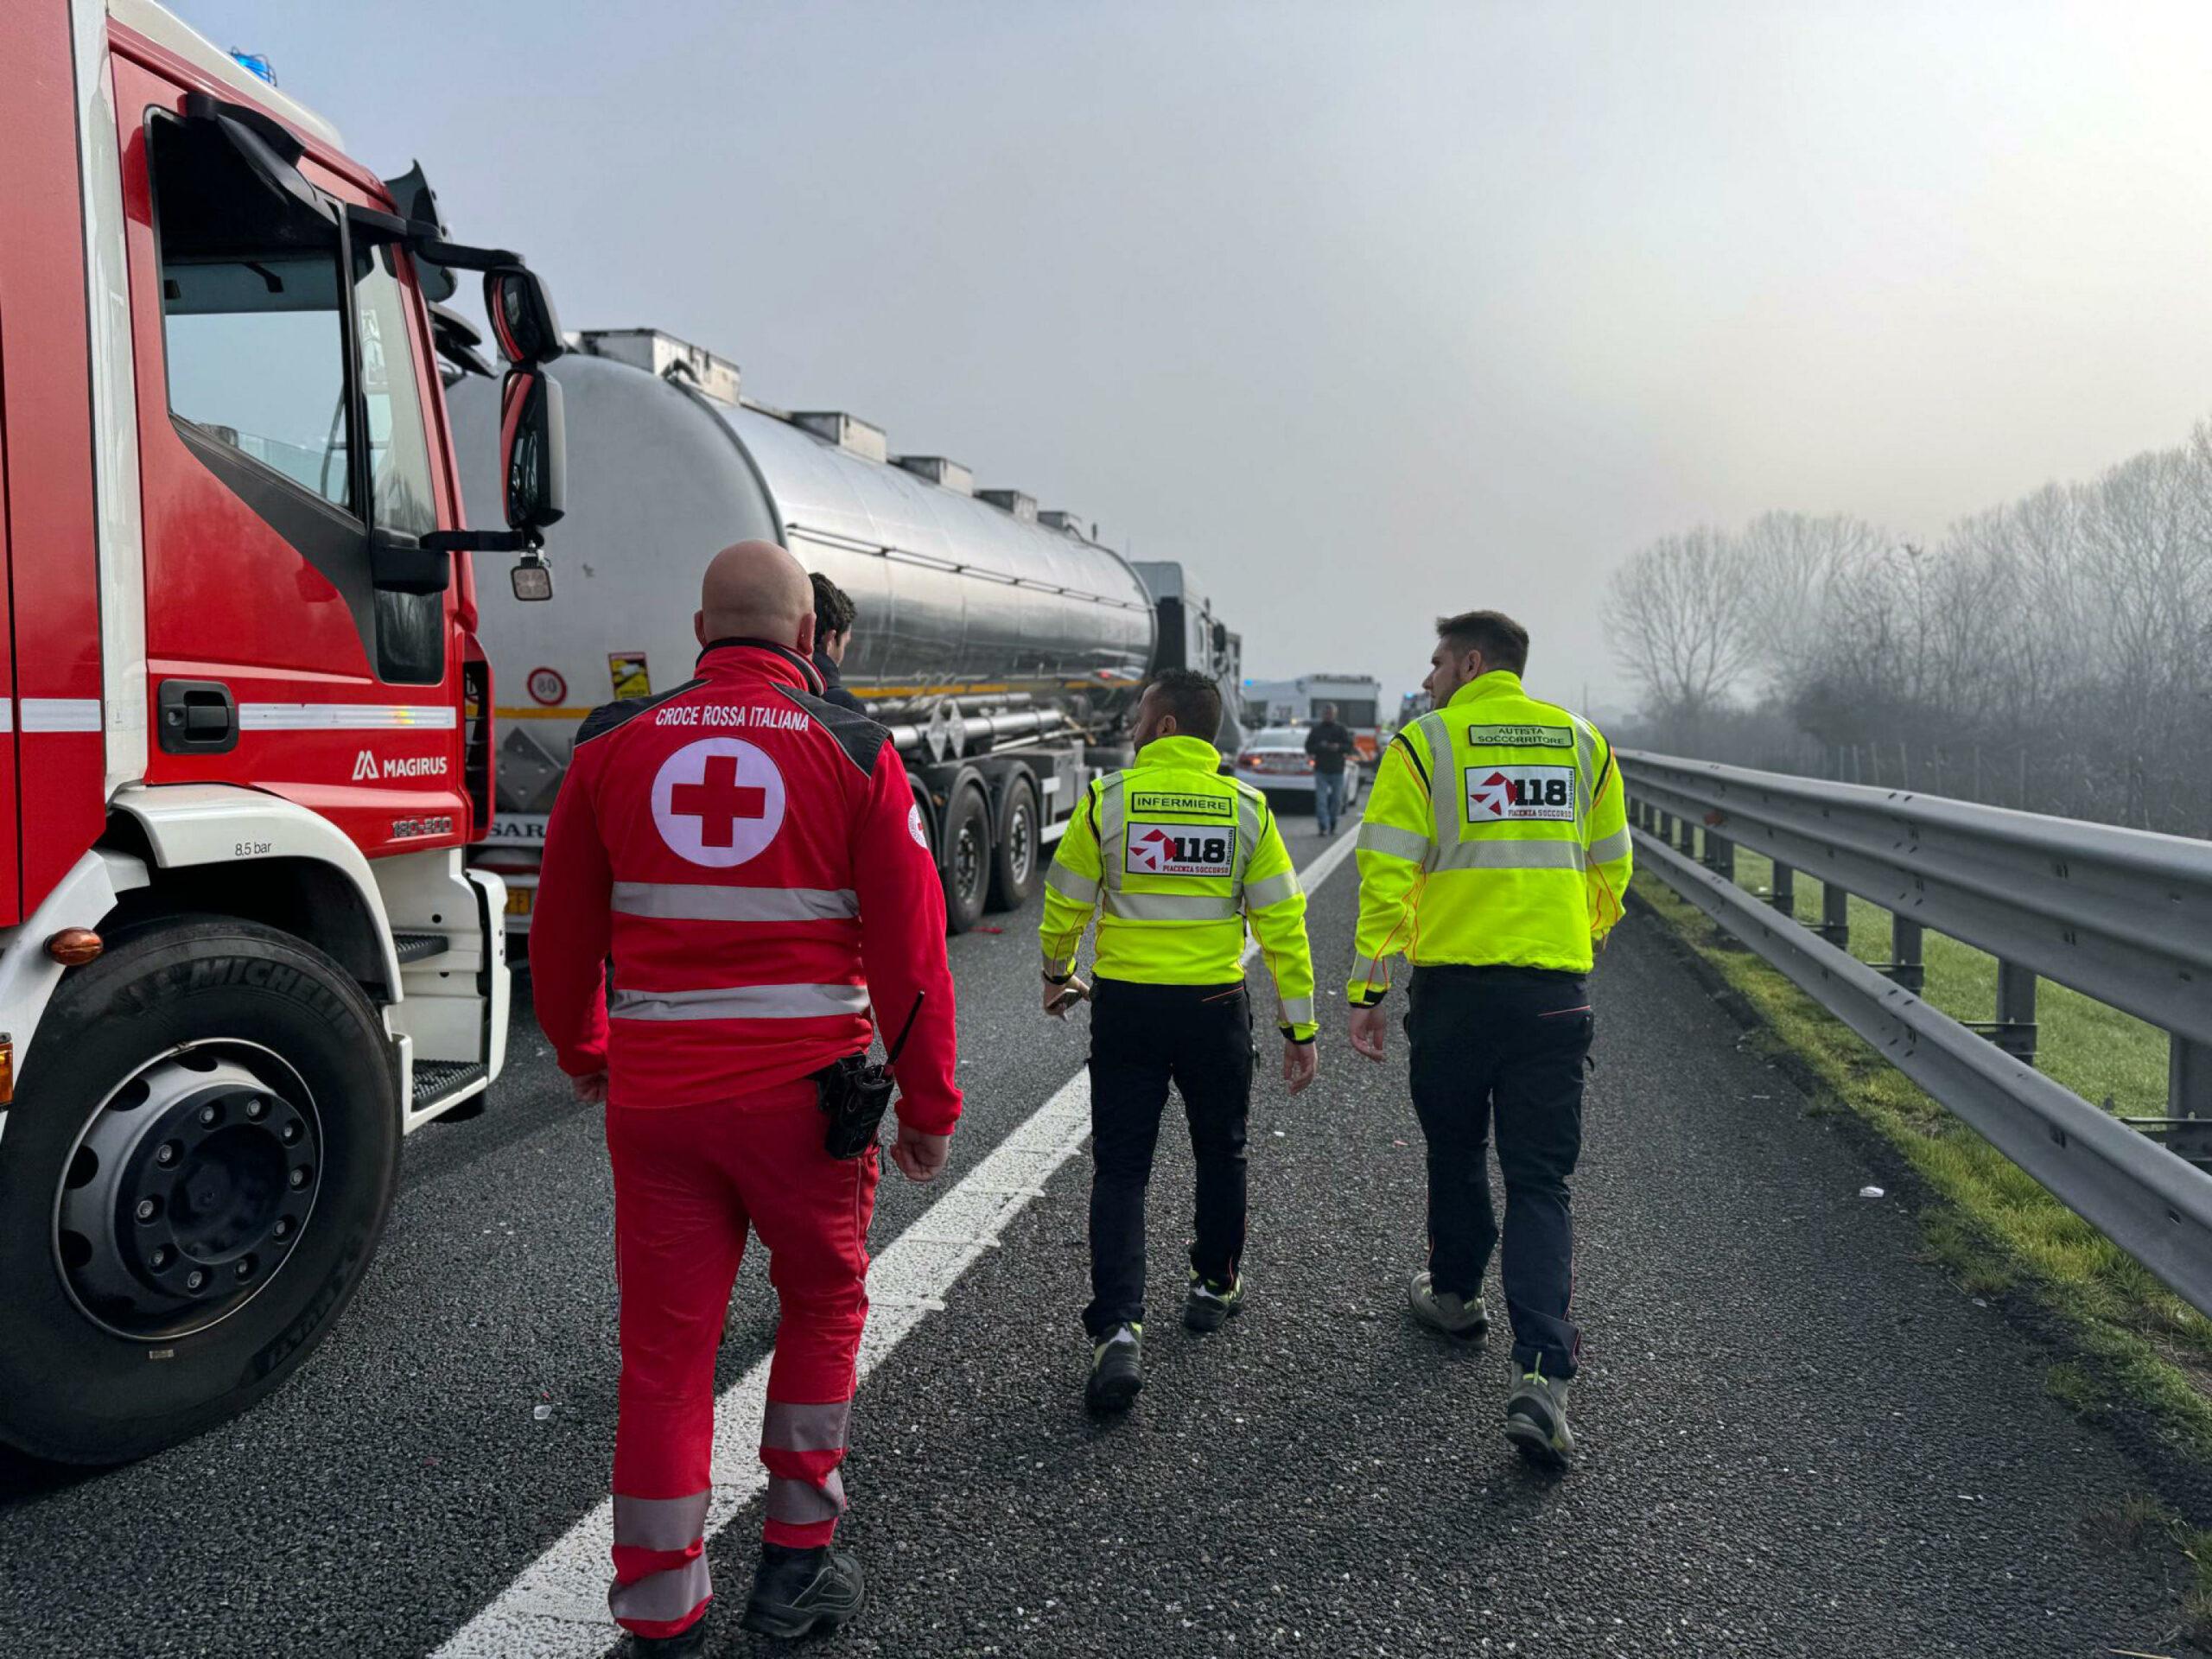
x,y
1211,1303
1117,1370
1440,1310
1535,1418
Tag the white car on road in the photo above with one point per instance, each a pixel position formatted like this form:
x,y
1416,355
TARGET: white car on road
x,y
1275,761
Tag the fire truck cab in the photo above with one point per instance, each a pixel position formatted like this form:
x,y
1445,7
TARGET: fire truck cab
x,y
243,720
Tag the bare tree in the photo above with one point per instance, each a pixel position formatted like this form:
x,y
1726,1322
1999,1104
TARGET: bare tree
x,y
1681,618
1792,564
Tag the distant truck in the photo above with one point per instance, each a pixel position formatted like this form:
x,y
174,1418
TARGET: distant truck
x,y
1358,698
244,726
1002,645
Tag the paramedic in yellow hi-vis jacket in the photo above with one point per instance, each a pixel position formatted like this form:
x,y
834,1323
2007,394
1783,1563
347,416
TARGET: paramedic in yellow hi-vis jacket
x,y
1175,859
1493,855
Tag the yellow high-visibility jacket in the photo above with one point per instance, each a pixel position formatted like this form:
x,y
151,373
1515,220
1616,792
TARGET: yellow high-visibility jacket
x,y
1497,832
1176,859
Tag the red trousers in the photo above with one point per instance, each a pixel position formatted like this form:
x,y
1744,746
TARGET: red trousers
x,y
687,1181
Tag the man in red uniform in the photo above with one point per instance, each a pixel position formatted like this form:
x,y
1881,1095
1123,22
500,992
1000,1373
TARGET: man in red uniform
x,y
753,861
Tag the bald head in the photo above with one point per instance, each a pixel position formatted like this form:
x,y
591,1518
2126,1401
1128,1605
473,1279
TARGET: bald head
x,y
755,590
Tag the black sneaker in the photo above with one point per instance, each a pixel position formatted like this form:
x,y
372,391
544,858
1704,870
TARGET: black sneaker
x,y
797,1591
1211,1304
1116,1370
689,1643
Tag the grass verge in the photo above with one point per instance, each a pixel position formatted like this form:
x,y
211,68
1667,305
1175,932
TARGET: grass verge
x,y
2135,1350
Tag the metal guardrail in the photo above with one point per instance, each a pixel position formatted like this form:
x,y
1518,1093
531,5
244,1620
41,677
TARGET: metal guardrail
x,y
2123,916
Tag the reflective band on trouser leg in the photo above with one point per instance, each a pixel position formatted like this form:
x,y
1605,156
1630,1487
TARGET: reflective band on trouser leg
x,y
662,1604
741,1002
1170,906
802,1446
1510,855
660,1567
802,1504
1388,838
697,902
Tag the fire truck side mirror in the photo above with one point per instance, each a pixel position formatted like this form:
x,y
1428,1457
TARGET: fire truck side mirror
x,y
521,311
533,448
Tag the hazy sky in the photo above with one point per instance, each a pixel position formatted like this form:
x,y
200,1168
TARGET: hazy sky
x,y
1364,311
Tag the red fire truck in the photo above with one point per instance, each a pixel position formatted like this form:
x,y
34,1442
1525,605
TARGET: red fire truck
x,y
244,720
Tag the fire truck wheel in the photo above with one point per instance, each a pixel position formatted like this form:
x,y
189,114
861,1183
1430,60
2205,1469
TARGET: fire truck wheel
x,y
1017,863
202,1151
967,867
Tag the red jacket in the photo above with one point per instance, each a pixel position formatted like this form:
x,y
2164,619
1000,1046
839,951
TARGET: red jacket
x,y
754,860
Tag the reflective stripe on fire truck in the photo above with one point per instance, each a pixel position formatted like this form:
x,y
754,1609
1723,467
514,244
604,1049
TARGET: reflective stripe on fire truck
x,y
694,901
741,1002
347,716
58,714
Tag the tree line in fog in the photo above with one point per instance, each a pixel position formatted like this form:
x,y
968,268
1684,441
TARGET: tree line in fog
x,y
2051,654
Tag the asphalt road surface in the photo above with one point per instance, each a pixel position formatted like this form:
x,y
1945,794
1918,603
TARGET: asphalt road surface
x,y
1798,1437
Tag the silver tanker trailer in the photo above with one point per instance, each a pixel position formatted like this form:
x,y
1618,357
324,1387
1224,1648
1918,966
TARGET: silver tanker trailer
x,y
1002,645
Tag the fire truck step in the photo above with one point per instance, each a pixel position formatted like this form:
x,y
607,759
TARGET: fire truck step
x,y
434,1080
420,947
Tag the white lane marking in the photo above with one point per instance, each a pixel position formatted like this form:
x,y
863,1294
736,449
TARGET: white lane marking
x,y
557,1607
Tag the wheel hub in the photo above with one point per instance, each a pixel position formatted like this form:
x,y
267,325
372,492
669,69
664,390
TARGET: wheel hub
x,y
187,1191
968,859
1018,842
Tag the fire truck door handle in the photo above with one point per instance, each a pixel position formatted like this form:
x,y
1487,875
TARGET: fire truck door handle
x,y
198,717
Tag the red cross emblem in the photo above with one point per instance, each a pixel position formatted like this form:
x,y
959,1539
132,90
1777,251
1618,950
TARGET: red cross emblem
x,y
718,801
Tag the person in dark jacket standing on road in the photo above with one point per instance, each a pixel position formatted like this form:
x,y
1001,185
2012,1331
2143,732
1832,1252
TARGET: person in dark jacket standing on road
x,y
834,613
751,857
1331,745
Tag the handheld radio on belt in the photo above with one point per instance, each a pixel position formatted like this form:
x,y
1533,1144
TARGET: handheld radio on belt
x,y
856,1092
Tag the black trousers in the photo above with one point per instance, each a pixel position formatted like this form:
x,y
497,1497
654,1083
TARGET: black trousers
x,y
1503,1046
1142,1038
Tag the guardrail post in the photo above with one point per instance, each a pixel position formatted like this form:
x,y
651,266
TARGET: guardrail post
x,y
1784,896
1663,827
2189,1086
1835,916
1720,855
1906,964
2014,1028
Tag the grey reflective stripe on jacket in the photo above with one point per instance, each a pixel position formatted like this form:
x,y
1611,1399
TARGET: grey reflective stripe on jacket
x,y
1112,815
669,1524
1262,895
1296,1010
1399,843
1510,855
663,1597
699,901
1083,889
1612,847
740,1003
1169,906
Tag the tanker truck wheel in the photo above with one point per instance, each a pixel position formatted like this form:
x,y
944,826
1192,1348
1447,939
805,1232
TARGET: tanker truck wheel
x,y
1017,863
967,867
201,1157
